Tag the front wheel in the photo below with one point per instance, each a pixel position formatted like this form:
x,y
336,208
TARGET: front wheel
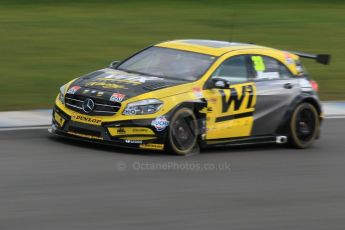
x,y
304,126
182,135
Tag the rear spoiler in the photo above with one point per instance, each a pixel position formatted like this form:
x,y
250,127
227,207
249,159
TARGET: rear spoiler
x,y
320,58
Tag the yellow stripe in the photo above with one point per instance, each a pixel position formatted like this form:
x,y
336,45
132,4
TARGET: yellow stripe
x,y
87,136
138,138
152,146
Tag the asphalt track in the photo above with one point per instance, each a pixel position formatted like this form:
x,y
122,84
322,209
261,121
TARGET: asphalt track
x,y
53,183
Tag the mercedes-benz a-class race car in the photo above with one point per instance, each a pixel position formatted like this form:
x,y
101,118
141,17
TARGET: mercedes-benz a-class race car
x,y
185,94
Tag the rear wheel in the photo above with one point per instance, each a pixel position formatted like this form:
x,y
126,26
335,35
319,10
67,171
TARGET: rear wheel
x,y
304,126
182,136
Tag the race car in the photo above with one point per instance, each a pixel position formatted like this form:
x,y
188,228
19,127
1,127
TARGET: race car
x,y
183,95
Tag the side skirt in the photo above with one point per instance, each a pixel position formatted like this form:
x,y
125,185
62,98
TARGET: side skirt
x,y
239,141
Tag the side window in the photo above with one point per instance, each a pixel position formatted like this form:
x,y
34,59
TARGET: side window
x,y
284,72
233,70
269,68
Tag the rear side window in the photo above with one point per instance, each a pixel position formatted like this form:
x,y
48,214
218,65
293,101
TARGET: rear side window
x,y
233,70
284,72
268,68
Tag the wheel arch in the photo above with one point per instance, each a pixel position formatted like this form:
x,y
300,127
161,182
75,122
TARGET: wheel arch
x,y
197,106
283,128
315,103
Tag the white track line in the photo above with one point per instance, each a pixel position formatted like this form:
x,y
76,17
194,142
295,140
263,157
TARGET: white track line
x,y
24,128
335,117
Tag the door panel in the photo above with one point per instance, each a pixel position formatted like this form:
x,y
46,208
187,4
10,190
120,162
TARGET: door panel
x,y
230,111
276,88
273,100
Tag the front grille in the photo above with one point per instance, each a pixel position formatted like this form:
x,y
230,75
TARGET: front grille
x,y
88,132
102,107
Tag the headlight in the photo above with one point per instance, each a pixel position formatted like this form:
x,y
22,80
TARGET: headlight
x,y
148,106
62,94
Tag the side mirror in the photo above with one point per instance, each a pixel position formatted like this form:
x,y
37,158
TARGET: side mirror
x,y
219,83
113,64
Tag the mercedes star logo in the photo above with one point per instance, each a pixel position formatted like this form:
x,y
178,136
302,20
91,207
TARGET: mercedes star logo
x,y
88,105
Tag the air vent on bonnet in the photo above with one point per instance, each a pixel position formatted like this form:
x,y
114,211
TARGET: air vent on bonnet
x,y
157,85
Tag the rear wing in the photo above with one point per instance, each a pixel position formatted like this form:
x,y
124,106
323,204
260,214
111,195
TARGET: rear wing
x,y
320,58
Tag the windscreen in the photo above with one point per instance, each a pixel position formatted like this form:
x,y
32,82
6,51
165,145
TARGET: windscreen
x,y
169,63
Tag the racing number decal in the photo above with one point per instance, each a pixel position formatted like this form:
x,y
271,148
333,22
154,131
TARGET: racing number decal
x,y
232,114
259,64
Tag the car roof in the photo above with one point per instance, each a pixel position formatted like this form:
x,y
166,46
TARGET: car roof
x,y
210,47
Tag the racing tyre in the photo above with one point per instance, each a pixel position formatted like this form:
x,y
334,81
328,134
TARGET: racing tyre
x,y
182,135
304,126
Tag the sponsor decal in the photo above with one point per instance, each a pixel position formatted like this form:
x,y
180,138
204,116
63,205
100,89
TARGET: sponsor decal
x,y
136,80
73,90
121,131
212,100
94,91
268,75
105,85
133,141
234,105
142,130
237,97
198,92
85,91
100,93
118,131
85,119
299,68
134,131
117,97
152,146
288,58
160,123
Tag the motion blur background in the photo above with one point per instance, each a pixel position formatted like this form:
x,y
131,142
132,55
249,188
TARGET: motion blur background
x,y
45,43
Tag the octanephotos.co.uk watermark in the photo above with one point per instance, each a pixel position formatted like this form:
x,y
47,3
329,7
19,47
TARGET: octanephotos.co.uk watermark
x,y
172,166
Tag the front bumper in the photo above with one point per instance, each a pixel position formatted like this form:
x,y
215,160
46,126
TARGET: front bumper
x,y
138,133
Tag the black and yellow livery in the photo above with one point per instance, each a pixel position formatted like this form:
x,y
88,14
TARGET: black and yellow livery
x,y
185,94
